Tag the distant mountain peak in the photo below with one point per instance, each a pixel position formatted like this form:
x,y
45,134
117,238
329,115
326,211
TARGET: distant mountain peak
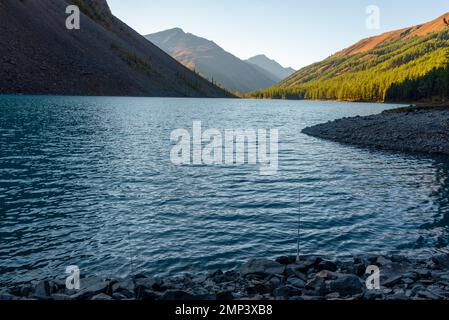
x,y
271,65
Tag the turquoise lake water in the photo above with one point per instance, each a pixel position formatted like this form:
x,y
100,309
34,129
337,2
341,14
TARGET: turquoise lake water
x,y
88,181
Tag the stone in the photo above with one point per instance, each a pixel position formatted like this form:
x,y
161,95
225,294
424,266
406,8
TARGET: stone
x,y
346,285
60,297
286,260
177,295
397,297
102,297
275,282
327,265
372,295
333,296
316,287
125,285
428,295
42,290
360,269
383,261
262,267
296,282
442,260
307,263
91,287
392,281
7,296
140,284
225,296
261,288
286,291
119,296
326,275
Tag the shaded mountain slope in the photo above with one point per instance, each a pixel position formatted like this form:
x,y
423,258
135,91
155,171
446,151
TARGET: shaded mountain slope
x,y
105,57
212,61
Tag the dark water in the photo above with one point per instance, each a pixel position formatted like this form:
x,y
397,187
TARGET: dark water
x,y
89,182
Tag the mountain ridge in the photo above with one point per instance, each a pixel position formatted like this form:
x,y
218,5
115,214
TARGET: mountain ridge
x,y
212,61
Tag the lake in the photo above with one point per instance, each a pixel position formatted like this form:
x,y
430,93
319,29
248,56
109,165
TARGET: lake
x,y
88,181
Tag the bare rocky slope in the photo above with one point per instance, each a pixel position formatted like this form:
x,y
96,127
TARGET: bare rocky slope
x,y
39,55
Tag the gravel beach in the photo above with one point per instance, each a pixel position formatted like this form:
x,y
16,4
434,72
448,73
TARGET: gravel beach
x,y
312,278
424,131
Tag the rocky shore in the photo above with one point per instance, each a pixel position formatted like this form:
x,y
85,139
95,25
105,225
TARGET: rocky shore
x,y
312,278
424,130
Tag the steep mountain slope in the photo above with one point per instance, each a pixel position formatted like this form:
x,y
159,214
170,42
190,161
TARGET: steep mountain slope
x,y
404,65
271,66
212,61
38,54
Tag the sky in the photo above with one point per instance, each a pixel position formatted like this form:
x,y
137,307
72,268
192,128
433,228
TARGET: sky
x,y
295,33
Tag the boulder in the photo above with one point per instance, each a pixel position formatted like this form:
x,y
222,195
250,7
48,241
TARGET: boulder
x,y
346,285
442,260
296,282
262,268
286,292
102,297
327,265
91,287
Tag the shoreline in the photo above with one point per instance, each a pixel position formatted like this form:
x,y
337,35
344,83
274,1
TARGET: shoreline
x,y
413,129
312,278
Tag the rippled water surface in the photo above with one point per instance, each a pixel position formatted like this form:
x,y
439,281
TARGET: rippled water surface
x,y
89,182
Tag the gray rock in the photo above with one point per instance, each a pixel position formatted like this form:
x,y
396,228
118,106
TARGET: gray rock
x,y
442,260
428,295
346,285
225,296
397,297
392,281
177,295
296,282
102,297
327,265
91,287
60,297
42,290
261,288
371,295
262,267
307,263
7,296
286,292
126,285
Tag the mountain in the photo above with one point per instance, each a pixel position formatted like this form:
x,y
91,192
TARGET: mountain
x,y
410,64
39,55
271,66
212,61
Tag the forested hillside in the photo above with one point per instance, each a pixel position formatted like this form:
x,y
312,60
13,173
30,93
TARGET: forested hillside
x,y
405,65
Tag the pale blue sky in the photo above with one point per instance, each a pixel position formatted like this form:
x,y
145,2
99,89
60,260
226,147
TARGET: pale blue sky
x,y
293,32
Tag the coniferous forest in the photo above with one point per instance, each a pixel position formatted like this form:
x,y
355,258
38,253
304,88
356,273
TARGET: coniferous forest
x,y
411,69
